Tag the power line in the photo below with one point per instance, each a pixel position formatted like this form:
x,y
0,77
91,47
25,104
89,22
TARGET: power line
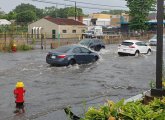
x,y
94,4
50,2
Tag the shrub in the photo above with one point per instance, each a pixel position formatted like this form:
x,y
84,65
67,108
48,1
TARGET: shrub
x,y
24,47
155,110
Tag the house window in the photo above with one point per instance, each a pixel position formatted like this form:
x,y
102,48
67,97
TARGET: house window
x,y
73,31
64,31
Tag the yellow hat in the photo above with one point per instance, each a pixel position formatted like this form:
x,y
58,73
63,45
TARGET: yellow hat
x,y
19,84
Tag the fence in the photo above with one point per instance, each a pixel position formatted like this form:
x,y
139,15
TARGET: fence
x,y
42,42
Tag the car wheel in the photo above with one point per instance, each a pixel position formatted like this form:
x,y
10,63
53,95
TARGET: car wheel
x,y
120,54
149,52
72,62
103,47
96,58
96,48
137,53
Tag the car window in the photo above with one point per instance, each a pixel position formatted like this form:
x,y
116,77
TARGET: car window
x,y
85,42
63,49
155,37
84,50
163,37
96,41
141,44
127,43
100,41
138,43
77,50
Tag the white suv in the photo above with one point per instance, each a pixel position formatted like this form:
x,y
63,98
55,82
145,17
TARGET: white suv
x,y
133,47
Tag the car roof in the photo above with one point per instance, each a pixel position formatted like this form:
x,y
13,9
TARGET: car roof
x,y
134,41
73,45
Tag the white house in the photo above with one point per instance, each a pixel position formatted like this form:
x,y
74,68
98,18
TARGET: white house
x,y
4,22
56,27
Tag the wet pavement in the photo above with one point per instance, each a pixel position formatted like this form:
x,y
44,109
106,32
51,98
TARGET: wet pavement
x,y
50,89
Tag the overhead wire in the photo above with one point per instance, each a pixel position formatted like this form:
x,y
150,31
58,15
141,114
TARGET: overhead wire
x,y
87,7
94,4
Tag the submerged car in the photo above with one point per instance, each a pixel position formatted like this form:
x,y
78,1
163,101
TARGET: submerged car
x,y
153,40
94,44
70,55
133,47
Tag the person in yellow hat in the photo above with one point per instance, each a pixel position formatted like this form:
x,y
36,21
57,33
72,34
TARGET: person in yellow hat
x,y
19,92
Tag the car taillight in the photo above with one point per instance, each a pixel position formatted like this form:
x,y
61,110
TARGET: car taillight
x,y
131,46
61,56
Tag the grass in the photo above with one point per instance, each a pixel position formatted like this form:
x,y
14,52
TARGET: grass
x,y
19,46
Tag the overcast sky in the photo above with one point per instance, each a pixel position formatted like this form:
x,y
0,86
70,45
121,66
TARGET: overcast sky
x,y
8,5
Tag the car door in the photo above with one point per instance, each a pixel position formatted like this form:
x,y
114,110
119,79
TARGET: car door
x,y
87,55
142,47
78,55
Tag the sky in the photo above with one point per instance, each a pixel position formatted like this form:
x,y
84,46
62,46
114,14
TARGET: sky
x,y
9,5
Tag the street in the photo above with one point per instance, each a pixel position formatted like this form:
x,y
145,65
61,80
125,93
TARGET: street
x,y
50,89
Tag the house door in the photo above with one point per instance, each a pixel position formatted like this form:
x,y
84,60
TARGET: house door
x,y
53,34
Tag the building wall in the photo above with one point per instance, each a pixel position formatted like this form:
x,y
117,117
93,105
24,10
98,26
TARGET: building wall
x,y
47,27
87,21
70,31
103,22
115,22
102,16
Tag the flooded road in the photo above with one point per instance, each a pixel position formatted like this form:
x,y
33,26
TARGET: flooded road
x,y
50,89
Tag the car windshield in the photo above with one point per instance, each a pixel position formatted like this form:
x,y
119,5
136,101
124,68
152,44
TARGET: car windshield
x,y
63,49
155,37
85,42
127,43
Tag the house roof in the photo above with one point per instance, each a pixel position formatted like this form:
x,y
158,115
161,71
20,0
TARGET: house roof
x,y
63,21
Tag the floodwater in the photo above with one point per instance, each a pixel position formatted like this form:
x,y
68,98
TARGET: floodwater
x,y
50,89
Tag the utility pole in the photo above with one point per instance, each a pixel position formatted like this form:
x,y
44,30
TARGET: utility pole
x,y
75,10
56,9
159,53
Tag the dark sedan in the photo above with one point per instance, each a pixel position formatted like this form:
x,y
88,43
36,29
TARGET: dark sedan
x,y
95,44
70,55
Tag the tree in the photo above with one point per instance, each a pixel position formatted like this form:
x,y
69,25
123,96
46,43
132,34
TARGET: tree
x,y
70,11
62,12
139,11
28,7
51,11
26,17
11,16
2,14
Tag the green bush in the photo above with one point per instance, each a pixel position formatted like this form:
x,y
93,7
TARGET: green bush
x,y
155,110
24,47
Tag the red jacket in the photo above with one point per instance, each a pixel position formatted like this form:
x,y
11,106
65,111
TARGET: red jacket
x,y
19,94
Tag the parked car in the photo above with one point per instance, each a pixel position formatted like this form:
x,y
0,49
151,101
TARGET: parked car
x,y
153,40
70,55
95,44
89,34
133,47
